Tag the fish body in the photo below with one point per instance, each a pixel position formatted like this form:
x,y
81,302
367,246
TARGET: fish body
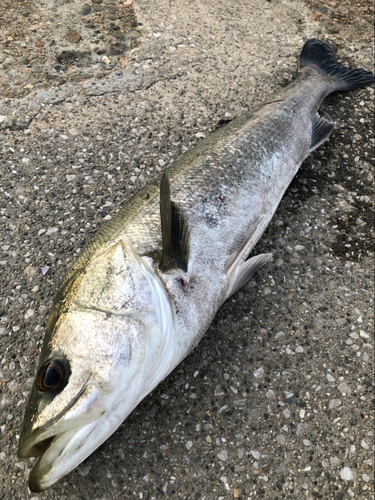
x,y
147,287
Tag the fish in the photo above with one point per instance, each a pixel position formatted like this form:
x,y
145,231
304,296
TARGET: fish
x,y
146,288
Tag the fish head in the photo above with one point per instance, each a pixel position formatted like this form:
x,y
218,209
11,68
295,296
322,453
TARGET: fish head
x,y
104,350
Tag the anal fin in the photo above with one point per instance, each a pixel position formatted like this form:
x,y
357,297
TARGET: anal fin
x,y
321,130
174,228
245,271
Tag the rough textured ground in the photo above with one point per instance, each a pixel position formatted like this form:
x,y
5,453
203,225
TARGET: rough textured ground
x,y
277,400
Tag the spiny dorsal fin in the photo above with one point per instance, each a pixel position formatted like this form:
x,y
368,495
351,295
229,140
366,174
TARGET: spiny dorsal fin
x,y
174,229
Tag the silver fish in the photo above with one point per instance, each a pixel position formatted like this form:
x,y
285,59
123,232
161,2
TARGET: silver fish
x,y
146,288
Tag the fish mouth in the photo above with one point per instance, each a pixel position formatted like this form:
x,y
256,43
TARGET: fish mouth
x,y
53,461
60,445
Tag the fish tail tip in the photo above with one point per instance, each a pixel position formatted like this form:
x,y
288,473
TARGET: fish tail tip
x,y
317,53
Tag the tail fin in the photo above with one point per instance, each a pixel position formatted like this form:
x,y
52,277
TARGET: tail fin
x,y
319,54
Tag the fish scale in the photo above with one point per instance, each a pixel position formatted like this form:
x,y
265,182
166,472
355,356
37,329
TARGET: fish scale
x,y
146,288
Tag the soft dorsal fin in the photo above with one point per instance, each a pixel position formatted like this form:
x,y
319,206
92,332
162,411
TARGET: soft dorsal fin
x,y
174,229
321,130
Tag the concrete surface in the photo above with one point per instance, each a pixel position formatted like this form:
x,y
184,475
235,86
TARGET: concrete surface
x,y
277,400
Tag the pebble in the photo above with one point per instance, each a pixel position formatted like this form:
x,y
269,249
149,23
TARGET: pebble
x,y
259,372
73,37
346,474
301,429
218,391
365,444
330,378
86,9
299,349
255,454
84,470
366,477
334,403
223,455
270,394
106,60
334,461
344,389
189,445
29,313
287,413
280,439
3,456
12,386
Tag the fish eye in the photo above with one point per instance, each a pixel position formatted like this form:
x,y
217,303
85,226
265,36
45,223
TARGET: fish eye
x,y
51,375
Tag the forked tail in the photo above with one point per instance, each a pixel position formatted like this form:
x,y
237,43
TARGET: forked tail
x,y
318,54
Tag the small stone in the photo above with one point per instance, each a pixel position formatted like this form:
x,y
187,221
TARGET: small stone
x,y
223,455
73,37
3,118
352,448
306,442
299,349
366,477
334,461
12,386
29,313
70,177
346,474
298,248
301,429
218,391
106,60
255,454
30,271
287,413
40,43
330,378
344,389
189,445
3,456
98,8
84,470
45,270
270,394
259,372
280,439
365,445
52,230
364,334
86,9
334,403
325,463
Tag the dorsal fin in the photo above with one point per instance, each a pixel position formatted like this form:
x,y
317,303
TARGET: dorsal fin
x,y
174,229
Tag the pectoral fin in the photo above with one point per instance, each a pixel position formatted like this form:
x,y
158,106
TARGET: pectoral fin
x,y
174,228
244,271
